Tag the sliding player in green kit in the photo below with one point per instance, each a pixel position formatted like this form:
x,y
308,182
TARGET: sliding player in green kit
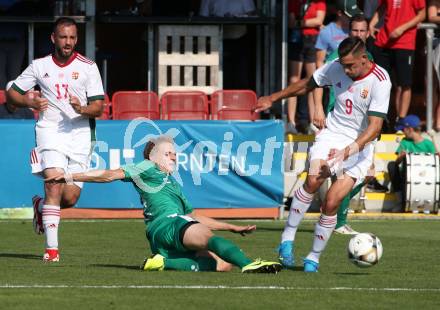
x,y
179,239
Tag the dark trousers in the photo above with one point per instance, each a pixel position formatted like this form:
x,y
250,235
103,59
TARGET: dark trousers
x,y
397,179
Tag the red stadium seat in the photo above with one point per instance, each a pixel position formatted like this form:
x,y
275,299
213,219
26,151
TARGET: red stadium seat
x,y
132,104
2,97
106,114
184,105
234,105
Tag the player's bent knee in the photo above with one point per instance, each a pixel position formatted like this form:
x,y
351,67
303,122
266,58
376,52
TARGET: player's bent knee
x,y
53,190
70,196
331,205
312,184
69,202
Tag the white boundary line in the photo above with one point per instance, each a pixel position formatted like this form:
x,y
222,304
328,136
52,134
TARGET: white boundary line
x,y
360,220
224,287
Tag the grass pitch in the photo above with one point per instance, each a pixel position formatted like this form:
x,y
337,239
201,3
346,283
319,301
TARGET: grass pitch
x,y
100,261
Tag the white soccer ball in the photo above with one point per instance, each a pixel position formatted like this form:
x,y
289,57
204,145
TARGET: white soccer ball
x,y
364,250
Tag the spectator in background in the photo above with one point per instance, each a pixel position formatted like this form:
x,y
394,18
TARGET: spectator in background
x,y
10,111
236,43
434,17
395,44
333,34
370,7
305,19
412,143
12,45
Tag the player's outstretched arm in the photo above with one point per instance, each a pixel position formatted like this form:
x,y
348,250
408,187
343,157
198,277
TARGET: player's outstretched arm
x,y
219,225
300,87
372,132
94,176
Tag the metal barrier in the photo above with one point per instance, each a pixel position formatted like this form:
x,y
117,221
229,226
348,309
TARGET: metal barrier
x,y
429,31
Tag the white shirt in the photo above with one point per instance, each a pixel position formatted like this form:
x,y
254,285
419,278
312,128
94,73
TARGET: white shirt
x,y
78,77
355,100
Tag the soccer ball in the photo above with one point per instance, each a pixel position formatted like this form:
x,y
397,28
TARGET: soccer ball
x,y
364,250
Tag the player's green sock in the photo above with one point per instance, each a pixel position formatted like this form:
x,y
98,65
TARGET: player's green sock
x,y
189,264
228,251
343,208
184,264
356,190
342,212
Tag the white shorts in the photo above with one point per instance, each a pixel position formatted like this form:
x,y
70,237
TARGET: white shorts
x,y
41,160
356,166
66,145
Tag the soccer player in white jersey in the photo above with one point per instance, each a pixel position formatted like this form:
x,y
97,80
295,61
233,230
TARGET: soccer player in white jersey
x,y
342,148
70,99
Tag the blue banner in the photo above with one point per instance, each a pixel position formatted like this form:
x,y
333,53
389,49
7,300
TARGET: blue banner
x,y
220,164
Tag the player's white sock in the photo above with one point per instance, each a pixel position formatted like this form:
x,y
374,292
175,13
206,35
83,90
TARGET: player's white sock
x,y
323,231
300,204
51,220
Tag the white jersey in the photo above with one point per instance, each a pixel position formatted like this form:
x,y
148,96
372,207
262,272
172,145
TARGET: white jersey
x,y
78,77
368,95
60,128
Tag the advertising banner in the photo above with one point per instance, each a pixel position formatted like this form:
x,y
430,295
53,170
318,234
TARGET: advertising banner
x,y
220,164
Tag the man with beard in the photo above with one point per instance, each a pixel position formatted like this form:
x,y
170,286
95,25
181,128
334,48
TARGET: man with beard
x,y
71,97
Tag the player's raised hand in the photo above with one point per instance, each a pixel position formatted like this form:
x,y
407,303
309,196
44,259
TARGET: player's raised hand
x,y
263,103
34,100
75,103
243,230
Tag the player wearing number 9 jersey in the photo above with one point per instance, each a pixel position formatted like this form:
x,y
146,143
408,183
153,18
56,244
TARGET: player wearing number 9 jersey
x,y
342,147
71,97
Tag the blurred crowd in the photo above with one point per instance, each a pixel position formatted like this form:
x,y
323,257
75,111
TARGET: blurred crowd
x,y
316,28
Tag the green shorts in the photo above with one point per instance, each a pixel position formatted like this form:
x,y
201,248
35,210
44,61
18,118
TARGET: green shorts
x,y
166,235
166,238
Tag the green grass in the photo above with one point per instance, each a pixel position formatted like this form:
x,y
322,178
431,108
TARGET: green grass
x,y
108,253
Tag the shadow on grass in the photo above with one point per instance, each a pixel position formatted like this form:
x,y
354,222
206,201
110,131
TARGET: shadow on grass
x,y
296,268
311,230
352,273
116,266
19,255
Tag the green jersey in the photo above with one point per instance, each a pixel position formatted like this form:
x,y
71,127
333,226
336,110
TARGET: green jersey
x,y
160,193
331,96
409,146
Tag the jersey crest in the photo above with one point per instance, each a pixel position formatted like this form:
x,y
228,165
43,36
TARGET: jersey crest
x,y
364,93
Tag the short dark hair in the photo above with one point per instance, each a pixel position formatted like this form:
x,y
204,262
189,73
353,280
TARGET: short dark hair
x,y
358,18
148,148
63,21
351,45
